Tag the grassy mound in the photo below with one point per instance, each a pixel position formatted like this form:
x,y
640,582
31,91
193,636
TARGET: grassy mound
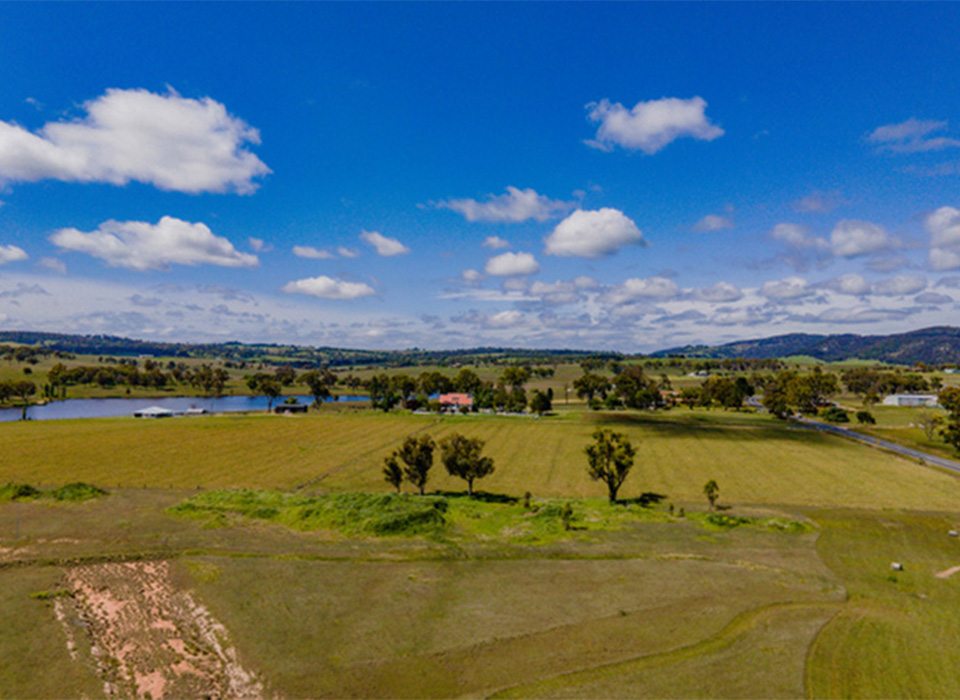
x,y
18,492
77,491
352,513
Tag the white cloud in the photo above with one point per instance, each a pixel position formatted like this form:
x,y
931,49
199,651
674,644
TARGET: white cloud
x,y
471,275
850,238
943,259
54,264
912,136
509,264
513,207
712,222
11,253
345,252
308,251
797,236
719,292
852,285
593,234
257,245
650,126
944,227
643,289
900,285
556,292
386,247
169,141
495,242
139,245
329,288
819,202
505,319
786,289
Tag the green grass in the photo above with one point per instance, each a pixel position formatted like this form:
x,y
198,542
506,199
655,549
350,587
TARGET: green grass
x,y
897,635
755,459
341,588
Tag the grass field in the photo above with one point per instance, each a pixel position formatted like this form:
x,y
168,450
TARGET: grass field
x,y
502,600
756,460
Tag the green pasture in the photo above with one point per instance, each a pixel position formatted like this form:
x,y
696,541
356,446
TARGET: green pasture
x,y
788,592
755,459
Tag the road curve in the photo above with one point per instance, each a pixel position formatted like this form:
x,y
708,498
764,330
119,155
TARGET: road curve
x,y
950,464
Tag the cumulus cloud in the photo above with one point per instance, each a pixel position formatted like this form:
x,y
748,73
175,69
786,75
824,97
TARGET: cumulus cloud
x,y
900,285
168,141
139,245
513,207
852,284
818,202
643,289
329,288
712,222
308,251
787,289
798,236
11,253
509,264
652,125
850,238
345,252
471,275
943,225
593,234
721,292
912,136
257,245
495,242
556,292
386,247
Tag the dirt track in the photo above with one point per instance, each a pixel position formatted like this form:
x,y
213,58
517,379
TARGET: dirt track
x,y
147,639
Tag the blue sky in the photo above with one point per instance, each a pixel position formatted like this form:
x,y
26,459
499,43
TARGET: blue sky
x,y
610,176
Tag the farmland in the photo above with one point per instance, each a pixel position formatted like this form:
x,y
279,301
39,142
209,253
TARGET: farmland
x,y
791,595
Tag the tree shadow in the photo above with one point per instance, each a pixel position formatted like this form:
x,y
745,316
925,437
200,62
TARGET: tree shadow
x,y
482,496
644,500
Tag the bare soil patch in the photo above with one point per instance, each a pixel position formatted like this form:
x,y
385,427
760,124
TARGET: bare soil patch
x,y
146,638
947,573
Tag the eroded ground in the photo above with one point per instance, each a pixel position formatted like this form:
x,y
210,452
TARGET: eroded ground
x,y
146,638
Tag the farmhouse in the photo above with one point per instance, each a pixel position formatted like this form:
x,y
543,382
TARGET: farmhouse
x,y
929,400
455,401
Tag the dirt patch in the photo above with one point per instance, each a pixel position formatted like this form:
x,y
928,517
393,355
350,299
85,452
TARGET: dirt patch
x,y
147,639
947,573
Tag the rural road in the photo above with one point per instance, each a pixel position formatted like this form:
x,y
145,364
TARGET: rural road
x,y
950,464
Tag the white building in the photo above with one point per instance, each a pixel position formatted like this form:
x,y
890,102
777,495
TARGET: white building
x,y
928,400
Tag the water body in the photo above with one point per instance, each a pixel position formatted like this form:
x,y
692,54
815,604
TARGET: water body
x,y
110,408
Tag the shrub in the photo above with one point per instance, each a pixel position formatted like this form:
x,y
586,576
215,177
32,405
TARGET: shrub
x,y
77,491
835,414
18,492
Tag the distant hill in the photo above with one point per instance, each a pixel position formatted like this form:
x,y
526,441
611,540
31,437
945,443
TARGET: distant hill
x,y
936,345
298,356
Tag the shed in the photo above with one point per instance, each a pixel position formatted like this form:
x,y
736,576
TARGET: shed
x,y
928,400
153,412
291,408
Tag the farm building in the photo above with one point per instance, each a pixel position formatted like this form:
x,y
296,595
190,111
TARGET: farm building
x,y
455,401
153,412
929,400
291,408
